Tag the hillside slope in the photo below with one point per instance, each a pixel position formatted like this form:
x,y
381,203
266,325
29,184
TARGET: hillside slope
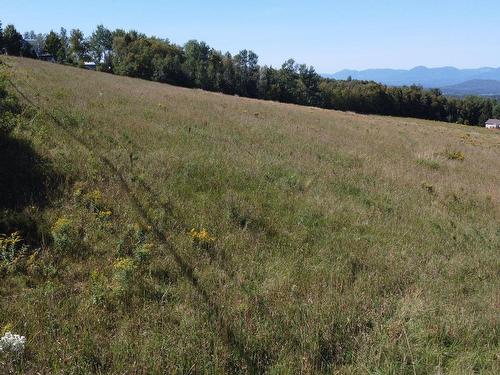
x,y
333,242
474,87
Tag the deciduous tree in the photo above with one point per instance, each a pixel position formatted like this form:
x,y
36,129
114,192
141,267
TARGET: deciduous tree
x,y
78,46
54,46
100,44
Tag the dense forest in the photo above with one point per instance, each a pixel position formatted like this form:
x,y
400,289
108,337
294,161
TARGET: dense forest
x,y
198,65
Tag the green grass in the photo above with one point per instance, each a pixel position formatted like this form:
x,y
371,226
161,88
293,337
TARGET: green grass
x,y
338,247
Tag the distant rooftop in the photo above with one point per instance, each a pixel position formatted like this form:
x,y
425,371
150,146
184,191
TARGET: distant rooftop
x,y
493,121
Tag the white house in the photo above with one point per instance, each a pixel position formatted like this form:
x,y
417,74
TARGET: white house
x,y
89,65
492,124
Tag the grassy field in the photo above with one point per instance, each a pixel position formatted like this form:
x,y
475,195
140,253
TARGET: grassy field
x,y
323,242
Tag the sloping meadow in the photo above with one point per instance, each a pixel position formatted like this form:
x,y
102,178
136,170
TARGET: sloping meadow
x,y
195,232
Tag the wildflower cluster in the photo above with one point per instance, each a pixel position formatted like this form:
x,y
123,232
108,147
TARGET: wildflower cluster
x,y
454,155
12,343
10,246
202,238
64,234
93,200
61,225
79,190
8,241
104,215
125,265
7,328
123,274
466,138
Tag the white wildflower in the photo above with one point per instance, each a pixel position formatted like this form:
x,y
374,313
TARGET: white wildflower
x,y
12,343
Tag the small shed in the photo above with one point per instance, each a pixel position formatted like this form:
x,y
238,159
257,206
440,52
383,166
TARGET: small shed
x,y
492,124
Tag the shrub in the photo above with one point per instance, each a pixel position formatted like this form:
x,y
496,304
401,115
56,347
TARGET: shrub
x,y
64,235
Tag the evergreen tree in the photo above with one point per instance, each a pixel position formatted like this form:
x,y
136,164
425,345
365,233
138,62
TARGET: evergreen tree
x,y
496,111
1,37
288,77
12,40
268,85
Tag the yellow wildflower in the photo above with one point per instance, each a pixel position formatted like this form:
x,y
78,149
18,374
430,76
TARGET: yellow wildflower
x,y
61,224
32,259
202,236
124,264
94,198
148,246
105,214
7,328
78,192
10,241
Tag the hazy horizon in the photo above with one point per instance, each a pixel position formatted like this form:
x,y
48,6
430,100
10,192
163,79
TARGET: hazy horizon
x,y
417,66
331,36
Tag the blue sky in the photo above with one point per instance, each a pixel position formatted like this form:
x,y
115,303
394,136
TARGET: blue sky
x,y
330,35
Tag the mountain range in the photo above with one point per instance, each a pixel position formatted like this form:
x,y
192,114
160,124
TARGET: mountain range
x,y
481,87
453,81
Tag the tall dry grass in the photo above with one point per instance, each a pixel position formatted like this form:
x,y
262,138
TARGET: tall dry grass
x,y
343,243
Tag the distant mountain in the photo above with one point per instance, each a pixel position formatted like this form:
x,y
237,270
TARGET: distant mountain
x,y
420,75
482,87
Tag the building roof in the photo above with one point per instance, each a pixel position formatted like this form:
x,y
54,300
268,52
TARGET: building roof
x,y
493,121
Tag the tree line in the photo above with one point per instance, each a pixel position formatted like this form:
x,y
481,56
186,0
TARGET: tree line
x,y
197,65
